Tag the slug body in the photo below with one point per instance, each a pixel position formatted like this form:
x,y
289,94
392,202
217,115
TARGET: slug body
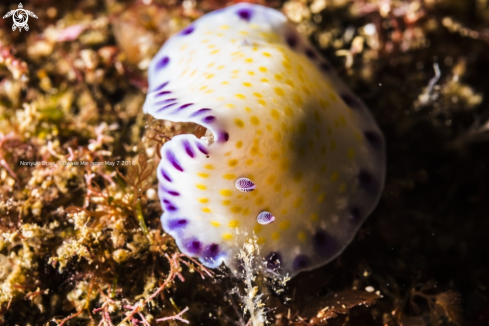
x,y
290,153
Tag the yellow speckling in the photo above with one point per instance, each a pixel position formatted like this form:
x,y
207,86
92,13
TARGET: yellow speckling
x,y
271,179
277,187
262,102
209,166
286,64
284,164
334,176
351,153
275,235
247,84
201,186
229,105
246,211
302,236
332,96
224,27
204,200
225,192
288,111
342,188
269,127
249,162
215,223
243,32
227,237
275,114
284,225
279,91
321,197
342,120
226,202
239,144
220,67
210,76
257,94
206,210
264,80
333,145
263,69
257,228
240,96
236,209
290,83
203,175
229,176
278,76
247,109
274,155
316,187
297,203
261,241
298,100
233,162
298,177
239,123
266,54
248,60
254,120
233,224
259,200
251,73
287,193
314,217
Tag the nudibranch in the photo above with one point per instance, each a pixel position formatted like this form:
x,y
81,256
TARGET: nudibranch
x,y
289,152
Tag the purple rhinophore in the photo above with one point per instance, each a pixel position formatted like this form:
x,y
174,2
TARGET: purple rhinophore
x,y
188,30
164,175
301,262
351,101
163,63
273,261
367,181
209,118
173,161
245,14
196,113
202,149
175,224
265,218
193,246
245,185
373,138
188,149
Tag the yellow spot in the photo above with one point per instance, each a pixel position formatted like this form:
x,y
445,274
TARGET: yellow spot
x,y
233,162
247,84
220,67
226,192
283,211
284,164
209,166
284,225
342,188
290,83
321,197
249,162
277,187
314,217
266,54
226,202
274,155
334,176
298,100
257,94
203,175
259,200
263,69
227,237
279,91
286,64
287,193
254,120
298,202
302,236
275,114
247,109
251,73
257,228
275,235
248,60
240,96
203,200
239,144
351,153
333,145
210,76
261,241
215,223
269,127
224,27
278,76
316,187
236,209
271,179
239,123
262,102
201,186
342,120
233,224
288,111
206,210
298,177
229,105
229,176
264,80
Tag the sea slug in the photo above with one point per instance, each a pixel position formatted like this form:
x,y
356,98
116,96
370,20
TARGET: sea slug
x,y
289,154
